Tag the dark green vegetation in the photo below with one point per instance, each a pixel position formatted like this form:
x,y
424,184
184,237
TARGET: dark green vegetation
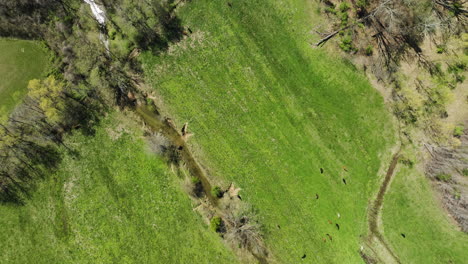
x,y
110,202
85,82
269,112
20,61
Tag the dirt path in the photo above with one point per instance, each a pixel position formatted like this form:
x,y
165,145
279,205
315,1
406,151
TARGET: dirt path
x,y
376,239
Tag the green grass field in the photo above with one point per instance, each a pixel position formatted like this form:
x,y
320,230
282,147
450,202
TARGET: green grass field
x,y
115,203
411,208
268,111
20,61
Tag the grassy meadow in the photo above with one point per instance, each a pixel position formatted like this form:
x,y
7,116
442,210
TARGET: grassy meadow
x,y
114,202
268,111
20,61
412,208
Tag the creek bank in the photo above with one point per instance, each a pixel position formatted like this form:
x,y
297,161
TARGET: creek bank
x,y
240,228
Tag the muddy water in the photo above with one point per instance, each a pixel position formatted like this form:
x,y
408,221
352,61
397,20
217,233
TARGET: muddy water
x,y
158,124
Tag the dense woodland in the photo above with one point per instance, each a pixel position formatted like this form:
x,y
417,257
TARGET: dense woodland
x,y
86,81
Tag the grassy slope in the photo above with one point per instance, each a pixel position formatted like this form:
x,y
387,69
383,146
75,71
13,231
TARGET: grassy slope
x,y
268,111
411,208
114,204
20,61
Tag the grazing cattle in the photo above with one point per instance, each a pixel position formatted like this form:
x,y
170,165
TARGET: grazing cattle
x,y
229,4
403,235
279,227
324,240
330,237
344,168
316,196
344,181
337,226
321,170
304,256
330,222
338,214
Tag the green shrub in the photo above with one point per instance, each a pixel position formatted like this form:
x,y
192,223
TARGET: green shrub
x,y
344,7
330,10
344,19
347,44
444,177
195,180
216,224
217,192
465,172
457,70
369,50
441,49
362,3
458,131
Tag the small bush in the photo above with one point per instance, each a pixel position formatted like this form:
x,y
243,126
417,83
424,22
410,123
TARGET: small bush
x,y
465,172
369,50
347,44
344,7
362,3
195,180
444,177
330,10
217,192
457,71
216,224
458,131
441,49
344,19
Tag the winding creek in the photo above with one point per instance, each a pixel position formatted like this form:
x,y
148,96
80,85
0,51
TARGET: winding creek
x,y
164,126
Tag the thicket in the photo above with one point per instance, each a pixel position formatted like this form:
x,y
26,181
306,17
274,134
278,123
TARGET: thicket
x,y
393,31
86,81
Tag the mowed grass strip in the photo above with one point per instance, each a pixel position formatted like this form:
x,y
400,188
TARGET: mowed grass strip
x,y
20,61
113,203
268,111
415,224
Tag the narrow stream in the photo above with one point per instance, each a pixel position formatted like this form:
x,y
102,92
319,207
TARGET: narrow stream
x,y
157,124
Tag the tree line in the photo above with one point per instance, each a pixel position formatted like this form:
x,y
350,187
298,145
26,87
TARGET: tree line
x,y
86,81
